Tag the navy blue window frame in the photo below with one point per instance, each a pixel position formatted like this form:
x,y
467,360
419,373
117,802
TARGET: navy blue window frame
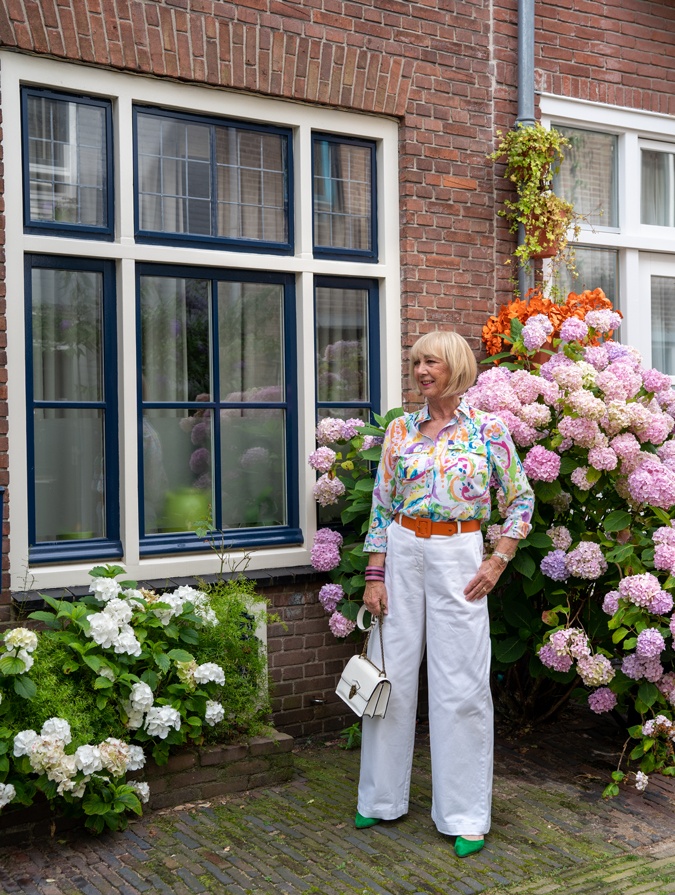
x,y
216,242
272,536
109,547
63,228
373,304
339,254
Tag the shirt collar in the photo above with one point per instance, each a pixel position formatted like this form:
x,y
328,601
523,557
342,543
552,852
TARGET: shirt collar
x,y
462,410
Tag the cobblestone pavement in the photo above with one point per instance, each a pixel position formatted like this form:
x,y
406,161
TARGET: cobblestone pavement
x,y
552,833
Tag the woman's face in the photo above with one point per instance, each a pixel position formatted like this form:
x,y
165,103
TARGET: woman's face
x,y
432,376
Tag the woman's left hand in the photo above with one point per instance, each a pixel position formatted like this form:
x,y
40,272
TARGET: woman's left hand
x,y
485,579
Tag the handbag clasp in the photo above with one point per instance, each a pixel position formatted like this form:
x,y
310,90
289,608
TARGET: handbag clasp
x,y
352,690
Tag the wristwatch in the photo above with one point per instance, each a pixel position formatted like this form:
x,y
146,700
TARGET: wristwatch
x,y
506,559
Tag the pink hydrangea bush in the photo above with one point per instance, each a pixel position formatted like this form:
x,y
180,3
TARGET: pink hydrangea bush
x,y
345,460
590,592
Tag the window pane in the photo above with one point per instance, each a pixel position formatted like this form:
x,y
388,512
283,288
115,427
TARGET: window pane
x,y
588,176
174,163
176,339
657,197
663,324
594,268
250,324
342,195
341,344
69,474
253,458
251,177
177,480
67,330
67,145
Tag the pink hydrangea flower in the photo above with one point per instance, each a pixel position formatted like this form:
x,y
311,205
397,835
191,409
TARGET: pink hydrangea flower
x,y
551,659
328,490
597,356
541,465
322,459
601,700
610,604
559,534
603,321
325,553
573,330
586,561
640,589
653,483
595,670
579,478
602,458
329,430
339,625
655,381
536,332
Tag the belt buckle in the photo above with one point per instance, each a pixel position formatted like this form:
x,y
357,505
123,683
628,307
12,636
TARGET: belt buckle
x,y
422,527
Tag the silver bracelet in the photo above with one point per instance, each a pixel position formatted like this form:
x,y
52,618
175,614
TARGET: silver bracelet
x,y
503,556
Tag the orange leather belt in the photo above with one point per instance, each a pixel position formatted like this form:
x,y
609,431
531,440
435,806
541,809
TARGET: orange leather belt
x,y
424,527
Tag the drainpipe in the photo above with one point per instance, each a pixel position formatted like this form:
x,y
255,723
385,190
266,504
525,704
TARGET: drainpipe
x,y
526,115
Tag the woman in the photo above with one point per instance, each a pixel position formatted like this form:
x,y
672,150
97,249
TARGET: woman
x,y
432,492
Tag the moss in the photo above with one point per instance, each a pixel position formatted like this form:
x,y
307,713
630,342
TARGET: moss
x,y
68,696
233,644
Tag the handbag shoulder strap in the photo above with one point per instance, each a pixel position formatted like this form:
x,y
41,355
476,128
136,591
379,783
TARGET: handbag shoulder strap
x,y
379,619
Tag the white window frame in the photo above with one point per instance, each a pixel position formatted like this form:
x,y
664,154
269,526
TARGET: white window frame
x,y
632,239
125,90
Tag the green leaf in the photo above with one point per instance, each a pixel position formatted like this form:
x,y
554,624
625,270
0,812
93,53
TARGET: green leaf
x,y
163,662
180,655
539,539
47,618
532,586
509,650
620,553
648,693
568,465
101,702
372,453
25,687
12,665
619,634
94,662
365,485
524,563
547,491
189,635
610,791
127,800
102,683
617,521
93,804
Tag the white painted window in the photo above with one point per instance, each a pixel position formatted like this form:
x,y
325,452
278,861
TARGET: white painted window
x,y
214,197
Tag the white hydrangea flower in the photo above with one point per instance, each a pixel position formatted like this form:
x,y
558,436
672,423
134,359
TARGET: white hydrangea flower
x,y
103,629
104,588
23,741
88,759
21,638
214,712
57,727
46,754
134,595
127,642
142,790
135,717
27,660
641,781
7,793
160,719
209,671
63,771
119,610
107,673
207,615
188,594
136,758
115,756
186,673
141,697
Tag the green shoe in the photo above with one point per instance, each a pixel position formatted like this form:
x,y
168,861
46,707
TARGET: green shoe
x,y
464,847
361,822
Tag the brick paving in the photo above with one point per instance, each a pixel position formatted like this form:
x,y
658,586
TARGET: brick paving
x,y
552,834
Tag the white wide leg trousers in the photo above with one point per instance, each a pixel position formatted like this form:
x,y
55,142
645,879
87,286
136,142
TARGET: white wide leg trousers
x,y
425,579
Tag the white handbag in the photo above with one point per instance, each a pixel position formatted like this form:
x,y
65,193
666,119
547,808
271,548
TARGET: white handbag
x,y
363,686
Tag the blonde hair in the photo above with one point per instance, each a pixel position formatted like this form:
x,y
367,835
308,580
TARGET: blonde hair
x,y
454,351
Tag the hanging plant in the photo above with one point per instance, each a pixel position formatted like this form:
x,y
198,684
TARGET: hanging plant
x,y
533,156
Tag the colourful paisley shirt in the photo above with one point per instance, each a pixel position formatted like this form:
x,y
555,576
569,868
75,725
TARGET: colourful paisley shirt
x,y
448,478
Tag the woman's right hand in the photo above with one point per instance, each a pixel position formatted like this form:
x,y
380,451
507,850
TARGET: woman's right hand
x,y
375,598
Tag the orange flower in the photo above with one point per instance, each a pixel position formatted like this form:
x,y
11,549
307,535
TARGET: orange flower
x,y
576,305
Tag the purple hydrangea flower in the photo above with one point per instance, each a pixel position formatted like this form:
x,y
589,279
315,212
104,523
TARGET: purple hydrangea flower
x,y
553,565
601,700
650,643
330,595
328,490
551,659
573,330
536,332
322,459
586,561
610,604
